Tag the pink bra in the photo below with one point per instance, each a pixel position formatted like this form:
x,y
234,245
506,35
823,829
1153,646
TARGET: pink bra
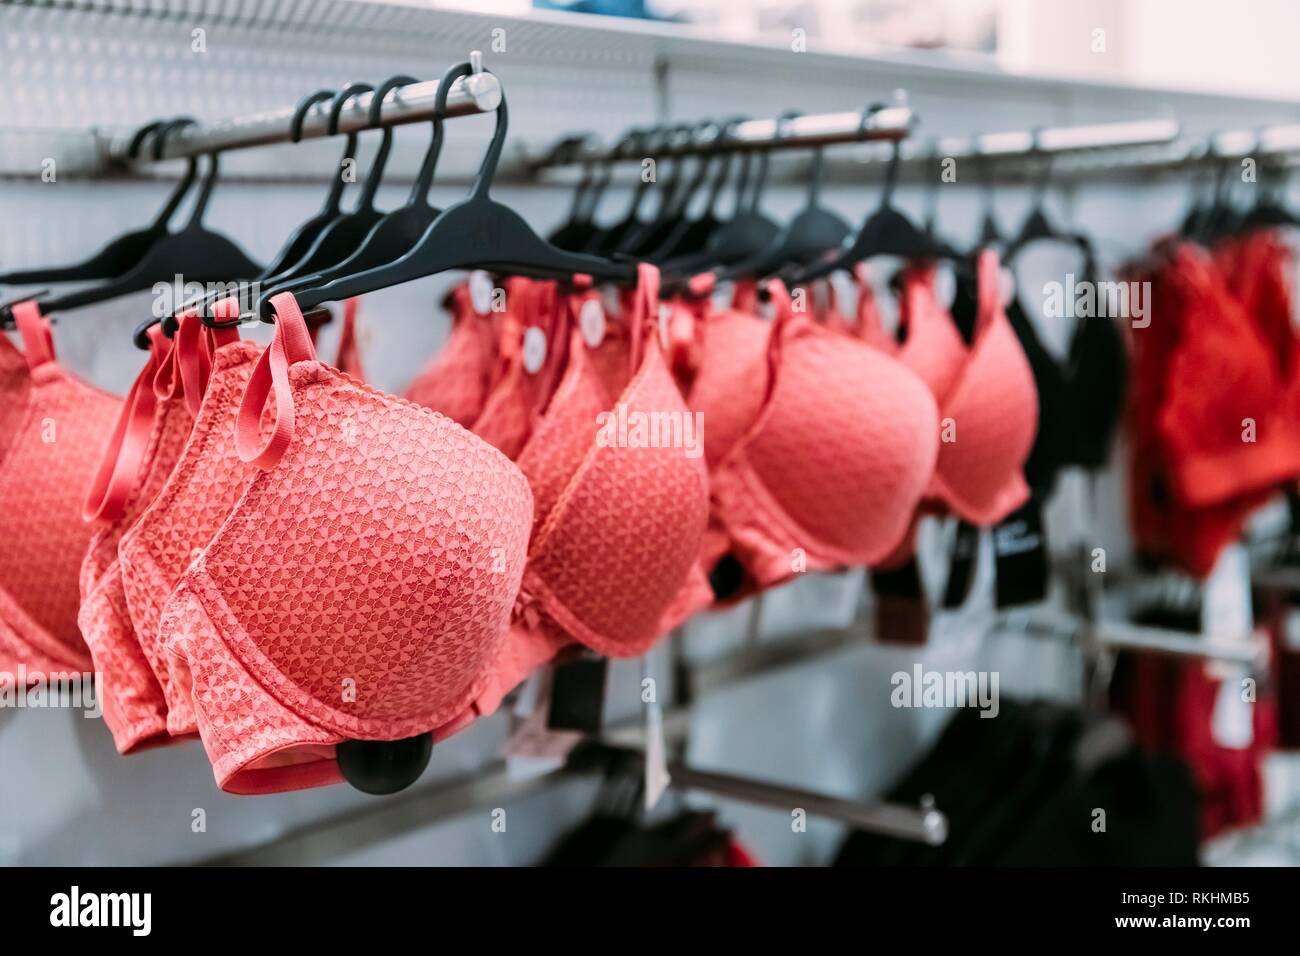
x,y
825,470
183,515
361,587
620,521
988,404
457,379
52,451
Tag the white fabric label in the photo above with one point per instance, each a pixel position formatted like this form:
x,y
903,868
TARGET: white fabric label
x,y
534,349
1225,600
665,317
1291,630
533,748
1232,723
657,777
591,320
480,291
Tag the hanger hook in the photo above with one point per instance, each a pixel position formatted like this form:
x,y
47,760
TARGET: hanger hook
x,y
891,171
1045,173
300,114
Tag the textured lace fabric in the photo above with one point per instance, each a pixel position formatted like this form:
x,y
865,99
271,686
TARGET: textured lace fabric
x,y
201,490
609,561
1258,269
512,403
1204,379
988,406
51,454
360,588
152,428
456,380
829,473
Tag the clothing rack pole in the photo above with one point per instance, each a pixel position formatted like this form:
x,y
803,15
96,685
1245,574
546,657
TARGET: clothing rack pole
x,y
888,124
1118,635
479,92
923,824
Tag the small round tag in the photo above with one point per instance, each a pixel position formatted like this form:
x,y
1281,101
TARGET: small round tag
x,y
665,317
534,349
591,321
1006,286
480,291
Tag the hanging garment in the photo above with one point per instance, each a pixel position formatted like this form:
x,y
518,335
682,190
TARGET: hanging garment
x,y
51,453
830,471
1081,400
456,380
362,585
621,507
200,491
1172,705
988,408
151,430
1211,438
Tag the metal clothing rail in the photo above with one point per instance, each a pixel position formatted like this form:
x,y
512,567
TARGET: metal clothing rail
x,y
888,124
479,92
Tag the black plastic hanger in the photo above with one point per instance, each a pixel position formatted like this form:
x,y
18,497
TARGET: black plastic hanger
x,y
887,232
745,234
578,225
475,232
344,235
296,246
607,238
814,232
684,232
305,235
124,252
1037,227
642,242
990,233
396,232
1269,209
693,234
195,252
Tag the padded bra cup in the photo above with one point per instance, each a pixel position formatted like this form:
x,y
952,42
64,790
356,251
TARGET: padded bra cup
x,y
836,460
985,391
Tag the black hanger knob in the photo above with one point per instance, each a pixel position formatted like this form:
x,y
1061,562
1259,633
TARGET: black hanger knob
x,y
382,767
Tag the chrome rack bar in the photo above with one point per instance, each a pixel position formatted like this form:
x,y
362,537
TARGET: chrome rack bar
x,y
924,824
477,93
1119,635
1051,139
889,124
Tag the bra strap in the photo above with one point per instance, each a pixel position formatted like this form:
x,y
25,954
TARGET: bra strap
x,y
192,357
38,342
645,312
119,469
989,279
349,354
292,343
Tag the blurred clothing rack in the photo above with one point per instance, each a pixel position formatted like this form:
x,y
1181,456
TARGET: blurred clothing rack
x,y
414,103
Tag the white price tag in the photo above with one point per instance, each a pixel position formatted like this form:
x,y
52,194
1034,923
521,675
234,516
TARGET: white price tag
x,y
534,349
1225,600
591,321
1291,630
656,751
1233,722
480,291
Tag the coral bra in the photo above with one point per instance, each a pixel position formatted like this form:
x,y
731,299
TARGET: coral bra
x,y
834,457
362,585
54,428
985,392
